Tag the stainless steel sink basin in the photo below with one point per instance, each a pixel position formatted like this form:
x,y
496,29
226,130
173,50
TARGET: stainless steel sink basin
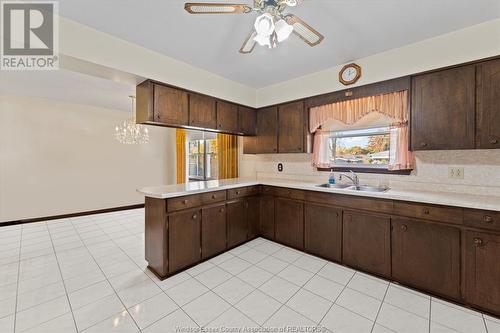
x,y
361,188
365,188
337,186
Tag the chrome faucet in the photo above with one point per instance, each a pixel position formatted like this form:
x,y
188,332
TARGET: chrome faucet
x,y
353,177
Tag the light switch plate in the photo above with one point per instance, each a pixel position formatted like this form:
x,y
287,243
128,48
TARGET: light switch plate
x,y
456,173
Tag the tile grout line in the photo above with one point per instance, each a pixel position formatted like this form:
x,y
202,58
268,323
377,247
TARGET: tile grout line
x,y
106,277
62,278
18,275
380,307
430,313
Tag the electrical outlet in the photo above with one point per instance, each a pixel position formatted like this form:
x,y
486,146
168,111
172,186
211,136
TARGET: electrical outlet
x,y
455,173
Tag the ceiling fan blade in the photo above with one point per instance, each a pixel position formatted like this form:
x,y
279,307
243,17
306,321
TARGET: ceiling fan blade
x,y
216,8
304,30
249,43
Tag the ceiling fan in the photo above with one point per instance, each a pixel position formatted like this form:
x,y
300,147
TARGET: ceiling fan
x,y
271,27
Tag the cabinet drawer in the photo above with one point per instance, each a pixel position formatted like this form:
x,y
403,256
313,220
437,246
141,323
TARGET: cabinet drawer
x,y
351,201
185,202
429,212
284,192
210,197
482,219
242,192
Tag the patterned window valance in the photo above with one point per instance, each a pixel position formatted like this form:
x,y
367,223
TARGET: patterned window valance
x,y
393,105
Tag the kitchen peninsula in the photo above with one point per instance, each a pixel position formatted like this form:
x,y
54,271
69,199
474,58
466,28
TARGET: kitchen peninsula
x,y
418,239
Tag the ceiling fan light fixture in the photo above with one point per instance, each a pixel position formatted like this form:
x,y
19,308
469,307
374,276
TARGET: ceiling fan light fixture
x,y
263,40
264,24
283,30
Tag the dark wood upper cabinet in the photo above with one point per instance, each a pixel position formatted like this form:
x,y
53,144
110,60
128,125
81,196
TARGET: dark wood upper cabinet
x,y
267,130
292,122
367,242
443,110
323,231
202,112
227,117
289,221
213,230
253,216
482,270
425,255
184,239
267,216
247,120
488,105
237,226
170,106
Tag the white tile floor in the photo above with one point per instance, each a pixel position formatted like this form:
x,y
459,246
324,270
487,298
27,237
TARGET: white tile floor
x,y
88,274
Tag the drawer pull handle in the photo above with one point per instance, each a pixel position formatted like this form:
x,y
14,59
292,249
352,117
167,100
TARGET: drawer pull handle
x,y
195,216
487,219
426,211
214,196
493,141
423,144
221,210
478,241
185,201
404,227
237,192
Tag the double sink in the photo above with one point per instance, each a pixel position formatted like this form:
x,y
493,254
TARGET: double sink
x,y
361,188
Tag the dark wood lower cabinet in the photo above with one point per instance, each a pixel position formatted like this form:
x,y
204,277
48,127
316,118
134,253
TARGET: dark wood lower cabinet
x,y
184,241
449,252
482,270
267,216
367,242
213,230
290,222
323,231
237,227
427,256
253,216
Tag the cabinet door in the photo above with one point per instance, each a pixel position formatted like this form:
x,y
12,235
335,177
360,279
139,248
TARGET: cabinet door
x,y
267,130
250,145
267,216
247,120
443,110
184,244
237,227
291,128
253,216
488,98
170,106
227,117
367,242
323,231
290,222
213,230
202,112
426,254
482,270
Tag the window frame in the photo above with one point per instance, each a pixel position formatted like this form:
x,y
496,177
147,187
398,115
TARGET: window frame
x,y
363,169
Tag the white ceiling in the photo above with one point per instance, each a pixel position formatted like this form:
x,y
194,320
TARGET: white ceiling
x,y
353,29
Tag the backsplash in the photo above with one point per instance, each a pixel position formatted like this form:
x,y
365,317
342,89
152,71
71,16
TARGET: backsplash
x,y
481,171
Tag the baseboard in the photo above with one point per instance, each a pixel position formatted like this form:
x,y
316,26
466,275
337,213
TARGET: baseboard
x,y
56,217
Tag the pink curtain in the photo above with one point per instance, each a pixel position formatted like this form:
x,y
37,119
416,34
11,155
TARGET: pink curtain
x,y
393,105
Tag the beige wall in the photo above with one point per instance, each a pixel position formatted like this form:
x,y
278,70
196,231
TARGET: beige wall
x,y
59,158
472,43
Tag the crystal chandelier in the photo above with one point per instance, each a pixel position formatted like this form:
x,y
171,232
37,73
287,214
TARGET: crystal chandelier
x,y
131,133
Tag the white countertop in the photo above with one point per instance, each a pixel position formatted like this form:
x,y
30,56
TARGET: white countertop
x,y
430,197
